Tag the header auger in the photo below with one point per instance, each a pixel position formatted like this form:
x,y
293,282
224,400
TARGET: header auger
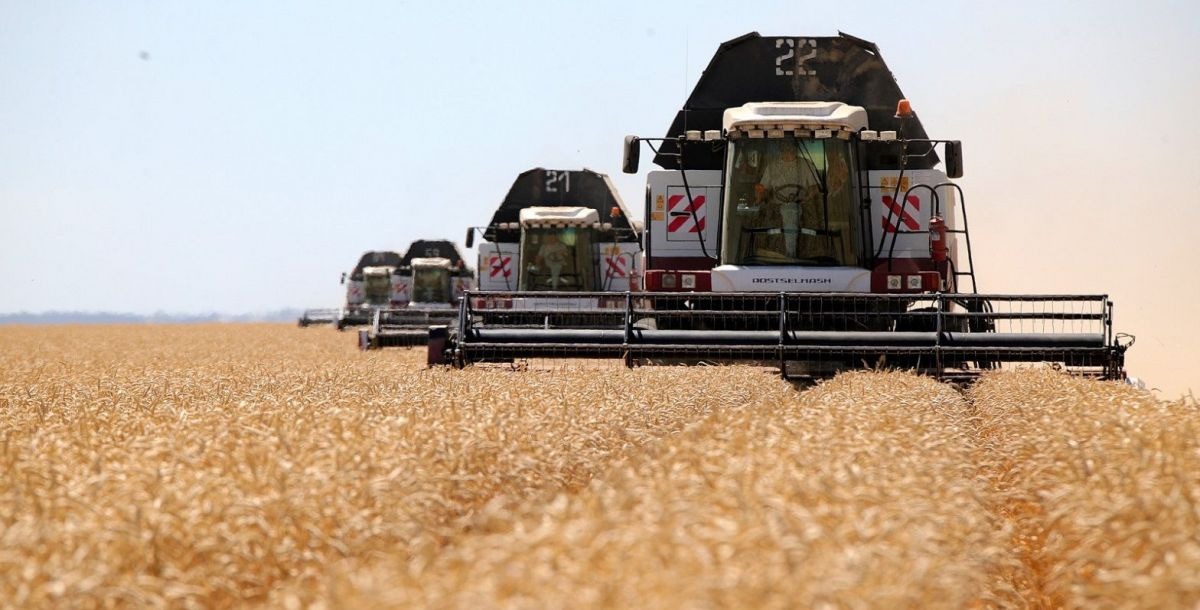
x,y
805,335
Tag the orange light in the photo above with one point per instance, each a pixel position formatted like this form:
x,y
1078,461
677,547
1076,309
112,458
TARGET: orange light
x,y
615,212
904,109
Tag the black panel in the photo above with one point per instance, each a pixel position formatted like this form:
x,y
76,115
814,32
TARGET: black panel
x,y
433,248
549,187
753,68
375,258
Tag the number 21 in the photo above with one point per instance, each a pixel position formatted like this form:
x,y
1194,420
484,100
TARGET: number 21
x,y
553,177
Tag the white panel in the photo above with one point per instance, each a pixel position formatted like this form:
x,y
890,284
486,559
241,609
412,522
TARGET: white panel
x,y
733,278
443,263
887,214
460,285
356,293
672,230
401,289
545,303
618,263
684,222
558,216
498,266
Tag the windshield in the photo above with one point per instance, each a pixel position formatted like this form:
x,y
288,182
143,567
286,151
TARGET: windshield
x,y
789,202
378,287
431,285
556,259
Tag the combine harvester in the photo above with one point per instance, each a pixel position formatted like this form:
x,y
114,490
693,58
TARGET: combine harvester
x,y
559,231
368,288
565,238
802,221
425,287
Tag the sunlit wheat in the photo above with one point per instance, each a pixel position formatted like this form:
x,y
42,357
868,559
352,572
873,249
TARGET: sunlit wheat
x,y
231,465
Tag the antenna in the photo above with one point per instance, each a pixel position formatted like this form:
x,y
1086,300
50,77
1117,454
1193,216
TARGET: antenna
x,y
687,32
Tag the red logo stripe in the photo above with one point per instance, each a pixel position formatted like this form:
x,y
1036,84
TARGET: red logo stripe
x,y
901,213
616,266
500,266
682,217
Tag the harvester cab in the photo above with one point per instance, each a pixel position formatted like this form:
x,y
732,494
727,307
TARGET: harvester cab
x,y
798,207
424,289
376,287
557,247
803,218
431,281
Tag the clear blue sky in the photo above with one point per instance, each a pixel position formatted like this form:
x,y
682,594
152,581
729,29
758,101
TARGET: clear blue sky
x,y
235,157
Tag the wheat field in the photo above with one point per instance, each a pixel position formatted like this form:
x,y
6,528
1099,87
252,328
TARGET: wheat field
x,y
220,466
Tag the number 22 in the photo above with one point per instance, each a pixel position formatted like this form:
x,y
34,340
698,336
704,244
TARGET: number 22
x,y
792,45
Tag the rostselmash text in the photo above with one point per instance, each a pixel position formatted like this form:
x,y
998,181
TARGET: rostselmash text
x,y
791,280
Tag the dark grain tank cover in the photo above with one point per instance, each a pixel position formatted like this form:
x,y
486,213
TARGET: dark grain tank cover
x,y
436,248
433,248
375,258
560,188
755,68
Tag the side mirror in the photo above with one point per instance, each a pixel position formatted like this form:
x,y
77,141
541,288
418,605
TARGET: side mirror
x,y
633,151
470,236
343,278
953,160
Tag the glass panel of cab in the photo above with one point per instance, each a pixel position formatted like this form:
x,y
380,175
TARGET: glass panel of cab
x,y
431,285
556,259
790,201
378,287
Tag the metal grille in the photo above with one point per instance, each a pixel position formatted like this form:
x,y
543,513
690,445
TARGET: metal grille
x,y
319,316
355,316
404,327
803,334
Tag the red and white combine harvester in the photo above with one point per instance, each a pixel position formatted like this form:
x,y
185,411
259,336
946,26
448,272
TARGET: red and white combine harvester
x,y
564,238
803,219
424,287
559,231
